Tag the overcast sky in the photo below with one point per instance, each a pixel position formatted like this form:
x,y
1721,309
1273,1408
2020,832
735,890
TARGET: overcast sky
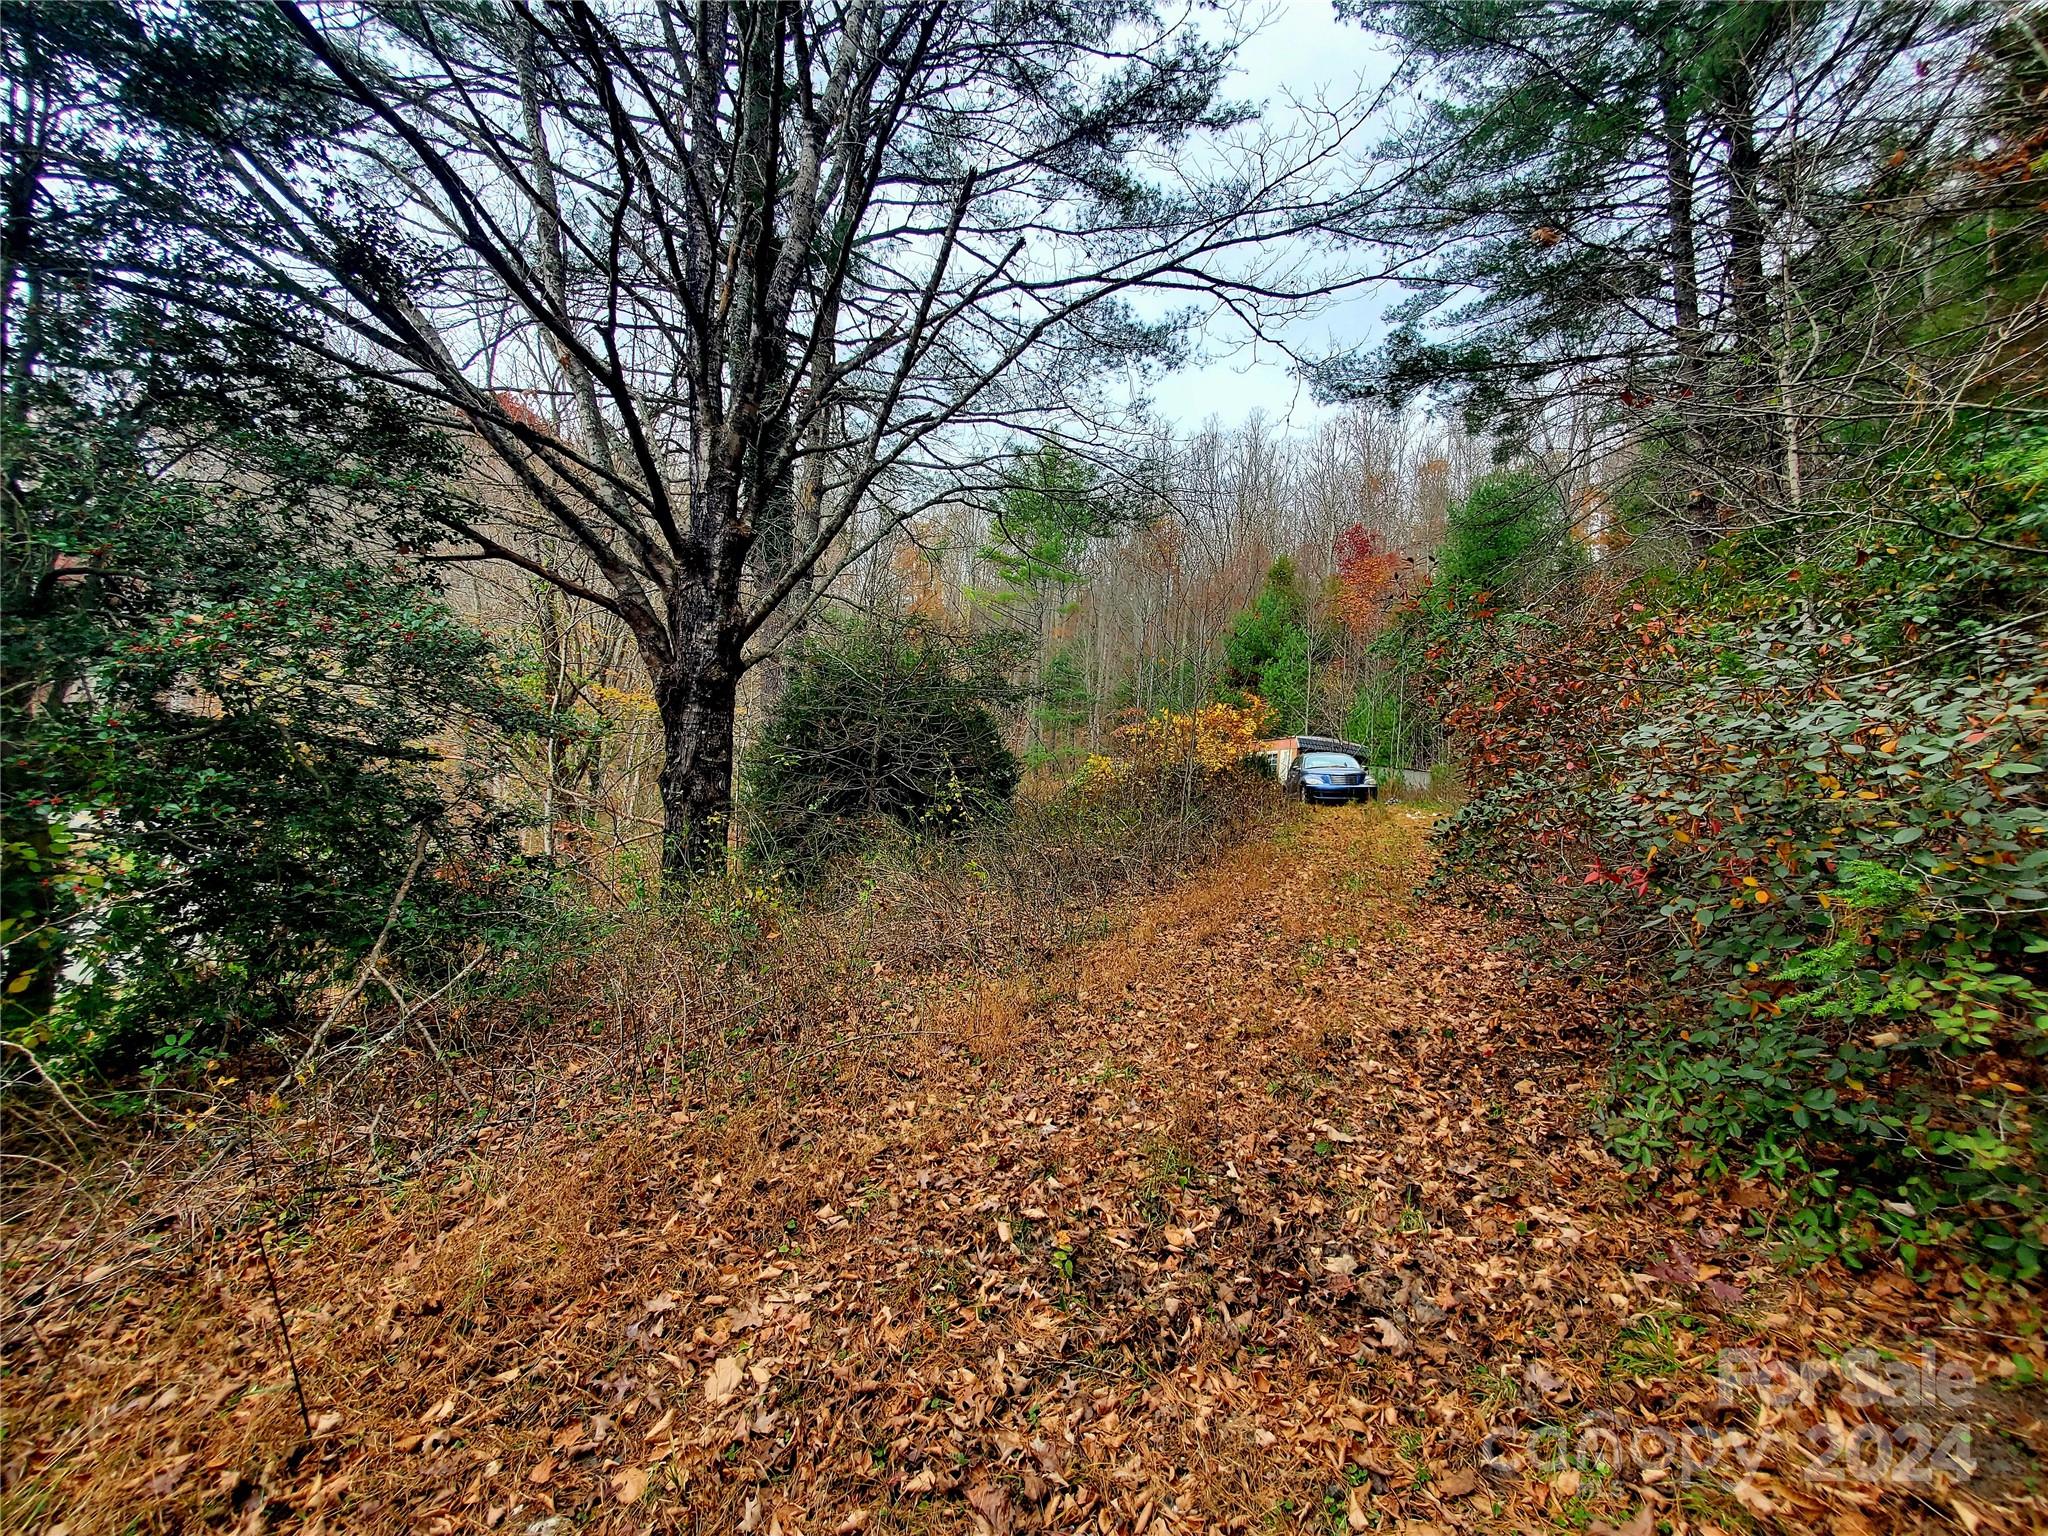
x,y
1303,50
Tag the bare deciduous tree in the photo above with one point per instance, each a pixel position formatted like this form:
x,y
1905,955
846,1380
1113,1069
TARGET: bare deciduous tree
x,y
702,281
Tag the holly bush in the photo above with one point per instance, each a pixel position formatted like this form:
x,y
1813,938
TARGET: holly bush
x,y
1800,810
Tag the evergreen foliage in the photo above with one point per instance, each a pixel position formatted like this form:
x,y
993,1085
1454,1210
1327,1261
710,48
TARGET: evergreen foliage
x,y
1508,535
1262,634
222,674
1062,702
1048,511
881,723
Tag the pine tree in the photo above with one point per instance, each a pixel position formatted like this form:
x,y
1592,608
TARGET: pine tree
x,y
1678,230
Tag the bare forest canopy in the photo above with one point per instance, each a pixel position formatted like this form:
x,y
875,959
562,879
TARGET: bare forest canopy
x,y
476,470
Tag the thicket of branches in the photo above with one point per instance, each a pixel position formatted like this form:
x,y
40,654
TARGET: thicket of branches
x,y
712,296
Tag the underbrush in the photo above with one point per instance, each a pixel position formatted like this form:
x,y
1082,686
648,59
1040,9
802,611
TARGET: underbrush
x,y
1794,816
740,994
751,982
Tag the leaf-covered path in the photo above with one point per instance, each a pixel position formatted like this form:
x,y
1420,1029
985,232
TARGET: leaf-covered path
x,y
1275,1208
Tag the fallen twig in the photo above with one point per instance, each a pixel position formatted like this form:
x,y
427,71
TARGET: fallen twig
x,y
369,967
284,1332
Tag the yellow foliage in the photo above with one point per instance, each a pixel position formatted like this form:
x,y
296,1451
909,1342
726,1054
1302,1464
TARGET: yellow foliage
x,y
625,701
1211,739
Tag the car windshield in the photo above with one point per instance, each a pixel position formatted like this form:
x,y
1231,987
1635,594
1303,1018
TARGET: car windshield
x,y
1343,761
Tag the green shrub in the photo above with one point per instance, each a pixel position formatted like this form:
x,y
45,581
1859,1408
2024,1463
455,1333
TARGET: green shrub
x,y
1851,875
881,723
1260,635
1508,535
1812,825
219,707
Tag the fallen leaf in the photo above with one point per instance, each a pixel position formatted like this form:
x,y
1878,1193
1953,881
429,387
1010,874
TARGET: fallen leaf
x,y
542,1471
1457,1483
724,1379
165,1481
992,1503
1753,1497
1727,1295
629,1484
1675,1270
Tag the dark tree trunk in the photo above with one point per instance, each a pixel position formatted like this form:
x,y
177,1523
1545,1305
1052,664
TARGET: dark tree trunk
x,y
1702,520
696,695
1746,291
1755,421
800,516
1676,127
1758,34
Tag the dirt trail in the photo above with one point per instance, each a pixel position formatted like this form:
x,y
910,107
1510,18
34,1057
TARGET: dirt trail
x,y
1276,1209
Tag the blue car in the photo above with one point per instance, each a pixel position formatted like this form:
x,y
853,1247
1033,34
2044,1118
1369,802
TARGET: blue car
x,y
1330,778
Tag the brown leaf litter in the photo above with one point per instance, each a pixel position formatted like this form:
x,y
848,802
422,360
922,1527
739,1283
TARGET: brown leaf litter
x,y
1277,1208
